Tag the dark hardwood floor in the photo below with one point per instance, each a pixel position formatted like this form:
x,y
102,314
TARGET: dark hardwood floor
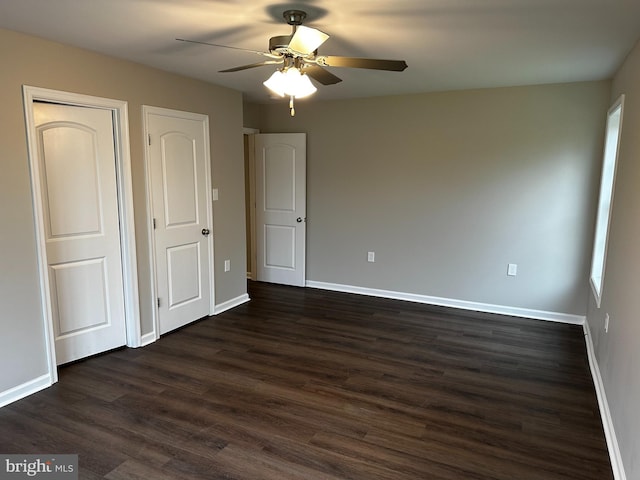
x,y
309,384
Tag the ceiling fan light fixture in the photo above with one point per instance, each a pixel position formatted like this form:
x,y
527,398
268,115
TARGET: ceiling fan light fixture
x,y
298,84
275,83
292,83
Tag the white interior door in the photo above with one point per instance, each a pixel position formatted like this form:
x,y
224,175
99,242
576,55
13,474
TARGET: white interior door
x,y
281,207
178,155
77,167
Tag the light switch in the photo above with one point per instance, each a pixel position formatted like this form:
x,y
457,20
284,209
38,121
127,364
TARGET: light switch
x,y
512,270
214,194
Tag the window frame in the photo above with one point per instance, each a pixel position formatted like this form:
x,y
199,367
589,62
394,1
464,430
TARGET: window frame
x,y
605,198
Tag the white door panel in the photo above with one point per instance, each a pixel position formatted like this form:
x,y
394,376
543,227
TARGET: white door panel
x,y
64,149
280,207
75,313
178,159
80,207
183,265
278,252
180,179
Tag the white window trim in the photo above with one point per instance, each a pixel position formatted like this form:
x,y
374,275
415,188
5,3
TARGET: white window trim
x,y
596,278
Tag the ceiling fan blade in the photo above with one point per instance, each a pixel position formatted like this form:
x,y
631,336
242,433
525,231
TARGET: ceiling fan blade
x,y
325,77
252,65
371,63
306,40
264,54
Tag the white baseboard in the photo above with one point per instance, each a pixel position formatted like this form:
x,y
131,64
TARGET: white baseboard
x,y
607,423
217,309
24,390
229,304
448,302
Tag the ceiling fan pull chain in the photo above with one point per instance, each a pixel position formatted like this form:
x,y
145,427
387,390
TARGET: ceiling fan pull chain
x,y
291,107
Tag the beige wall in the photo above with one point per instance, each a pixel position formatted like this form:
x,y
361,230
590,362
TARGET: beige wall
x,y
448,188
32,61
251,115
618,351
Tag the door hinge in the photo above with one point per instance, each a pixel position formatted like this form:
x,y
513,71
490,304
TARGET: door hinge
x,y
154,224
149,138
158,302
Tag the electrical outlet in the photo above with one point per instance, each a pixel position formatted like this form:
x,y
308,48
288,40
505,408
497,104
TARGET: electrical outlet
x,y
371,257
227,265
606,323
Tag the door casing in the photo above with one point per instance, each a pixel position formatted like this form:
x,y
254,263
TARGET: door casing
x,y
250,198
124,186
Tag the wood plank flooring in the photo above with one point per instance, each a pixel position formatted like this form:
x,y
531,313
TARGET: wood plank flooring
x,y
309,384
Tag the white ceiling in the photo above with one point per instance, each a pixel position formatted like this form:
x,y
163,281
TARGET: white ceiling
x,y
448,44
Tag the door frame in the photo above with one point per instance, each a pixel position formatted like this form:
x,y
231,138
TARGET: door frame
x,y
250,196
146,110
124,185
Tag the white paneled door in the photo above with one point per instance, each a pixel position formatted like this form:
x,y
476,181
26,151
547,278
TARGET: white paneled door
x,y
82,232
280,207
178,157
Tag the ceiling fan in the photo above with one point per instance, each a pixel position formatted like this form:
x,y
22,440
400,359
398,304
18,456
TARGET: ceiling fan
x,y
298,55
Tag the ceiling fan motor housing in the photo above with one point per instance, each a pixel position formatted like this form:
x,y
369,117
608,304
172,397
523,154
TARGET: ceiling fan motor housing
x,y
279,44
294,17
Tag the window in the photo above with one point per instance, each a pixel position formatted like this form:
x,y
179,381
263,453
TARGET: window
x,y
605,201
